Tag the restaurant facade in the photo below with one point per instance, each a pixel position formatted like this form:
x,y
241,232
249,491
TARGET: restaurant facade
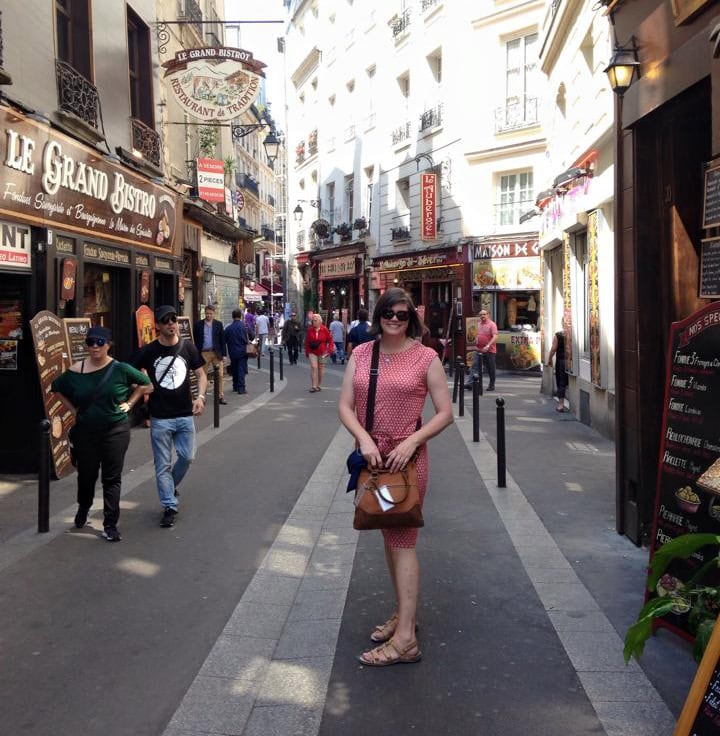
x,y
81,235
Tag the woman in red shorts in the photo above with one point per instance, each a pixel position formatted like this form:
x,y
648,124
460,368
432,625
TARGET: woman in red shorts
x,y
407,372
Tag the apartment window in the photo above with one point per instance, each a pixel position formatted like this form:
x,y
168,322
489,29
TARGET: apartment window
x,y
369,174
349,198
516,194
435,64
403,196
330,199
520,74
140,69
73,35
583,289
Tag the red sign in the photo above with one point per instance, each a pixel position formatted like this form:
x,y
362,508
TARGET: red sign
x,y
428,189
211,179
67,286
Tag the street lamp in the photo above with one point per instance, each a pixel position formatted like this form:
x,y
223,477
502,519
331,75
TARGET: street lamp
x,y
271,144
298,213
622,67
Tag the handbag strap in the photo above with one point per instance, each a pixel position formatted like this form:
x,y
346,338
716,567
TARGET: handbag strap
x,y
372,388
175,354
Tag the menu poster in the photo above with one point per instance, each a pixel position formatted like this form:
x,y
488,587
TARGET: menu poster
x,y
700,715
11,318
185,332
689,445
145,324
76,329
8,355
48,334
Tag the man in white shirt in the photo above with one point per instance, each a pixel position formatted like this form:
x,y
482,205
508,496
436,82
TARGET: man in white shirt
x,y
262,328
337,330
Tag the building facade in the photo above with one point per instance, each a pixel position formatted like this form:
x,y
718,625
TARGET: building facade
x,y
575,203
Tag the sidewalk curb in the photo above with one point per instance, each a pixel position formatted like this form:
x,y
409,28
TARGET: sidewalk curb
x,y
625,701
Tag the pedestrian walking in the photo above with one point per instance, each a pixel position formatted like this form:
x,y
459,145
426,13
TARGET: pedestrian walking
x,y
485,350
168,361
210,341
318,345
407,372
291,337
360,332
236,340
250,322
337,330
557,351
100,391
262,330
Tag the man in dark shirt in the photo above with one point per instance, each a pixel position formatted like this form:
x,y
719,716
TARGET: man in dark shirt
x,y
168,362
209,337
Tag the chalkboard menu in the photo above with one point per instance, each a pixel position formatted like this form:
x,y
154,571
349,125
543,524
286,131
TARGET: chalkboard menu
x,y
185,333
689,447
711,209
76,329
701,714
710,269
52,359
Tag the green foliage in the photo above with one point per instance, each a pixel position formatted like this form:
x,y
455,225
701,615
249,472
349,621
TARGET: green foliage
x,y
702,601
207,140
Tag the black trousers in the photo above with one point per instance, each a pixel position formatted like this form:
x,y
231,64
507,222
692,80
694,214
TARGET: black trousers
x,y
106,449
292,348
238,369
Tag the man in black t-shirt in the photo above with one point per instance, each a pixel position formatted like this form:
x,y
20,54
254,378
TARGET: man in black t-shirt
x,y
168,361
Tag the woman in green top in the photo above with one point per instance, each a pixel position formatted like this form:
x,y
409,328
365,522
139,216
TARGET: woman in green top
x,y
100,392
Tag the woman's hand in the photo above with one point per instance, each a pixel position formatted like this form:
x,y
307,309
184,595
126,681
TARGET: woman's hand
x,y
398,458
370,452
125,407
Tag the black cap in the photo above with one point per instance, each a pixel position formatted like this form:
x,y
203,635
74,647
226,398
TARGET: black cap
x,y
102,332
163,311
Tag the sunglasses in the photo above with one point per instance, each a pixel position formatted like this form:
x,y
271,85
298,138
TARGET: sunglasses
x,y
95,342
167,320
403,315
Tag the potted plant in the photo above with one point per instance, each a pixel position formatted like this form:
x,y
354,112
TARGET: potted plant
x,y
321,228
696,596
300,151
359,227
343,230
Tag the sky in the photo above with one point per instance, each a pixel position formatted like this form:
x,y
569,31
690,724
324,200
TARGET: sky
x,y
261,40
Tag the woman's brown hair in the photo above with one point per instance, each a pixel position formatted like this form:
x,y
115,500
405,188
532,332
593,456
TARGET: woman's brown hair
x,y
390,298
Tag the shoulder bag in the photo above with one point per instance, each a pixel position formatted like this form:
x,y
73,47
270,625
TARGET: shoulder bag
x,y
385,500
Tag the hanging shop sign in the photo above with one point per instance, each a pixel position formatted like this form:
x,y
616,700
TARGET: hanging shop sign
x,y
594,299
567,303
69,280
144,325
211,179
51,354
214,83
50,180
337,267
428,192
15,246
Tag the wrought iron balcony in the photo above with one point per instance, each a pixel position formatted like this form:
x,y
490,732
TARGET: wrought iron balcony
x,y
76,95
401,133
431,118
189,10
268,234
271,200
147,141
400,23
312,143
400,233
518,112
245,181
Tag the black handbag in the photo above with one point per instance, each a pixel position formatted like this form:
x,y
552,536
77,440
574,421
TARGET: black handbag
x,y
385,500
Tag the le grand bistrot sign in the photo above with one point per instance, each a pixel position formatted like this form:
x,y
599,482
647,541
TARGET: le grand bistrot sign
x,y
50,180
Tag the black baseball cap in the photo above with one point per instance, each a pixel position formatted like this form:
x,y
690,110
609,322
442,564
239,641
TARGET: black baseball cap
x,y
102,333
163,311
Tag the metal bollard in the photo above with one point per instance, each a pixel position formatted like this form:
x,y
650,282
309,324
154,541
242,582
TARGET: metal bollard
x,y
216,396
455,385
44,479
500,403
280,349
258,355
461,385
476,408
272,370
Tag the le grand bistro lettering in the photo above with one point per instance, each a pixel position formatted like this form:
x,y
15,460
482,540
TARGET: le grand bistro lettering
x,y
140,213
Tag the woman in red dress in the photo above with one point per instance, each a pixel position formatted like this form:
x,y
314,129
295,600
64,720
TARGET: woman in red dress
x,y
407,372
318,345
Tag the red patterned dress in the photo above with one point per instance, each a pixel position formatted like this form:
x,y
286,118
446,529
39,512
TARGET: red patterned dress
x,y
401,392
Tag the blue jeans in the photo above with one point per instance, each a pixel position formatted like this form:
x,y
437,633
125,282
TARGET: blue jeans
x,y
262,343
339,353
164,433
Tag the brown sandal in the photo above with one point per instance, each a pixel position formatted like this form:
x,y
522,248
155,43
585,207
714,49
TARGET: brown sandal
x,y
383,632
389,653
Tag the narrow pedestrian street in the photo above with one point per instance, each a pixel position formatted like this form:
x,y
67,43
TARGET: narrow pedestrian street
x,y
246,616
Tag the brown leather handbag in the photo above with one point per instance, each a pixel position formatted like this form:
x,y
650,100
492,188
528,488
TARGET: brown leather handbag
x,y
385,500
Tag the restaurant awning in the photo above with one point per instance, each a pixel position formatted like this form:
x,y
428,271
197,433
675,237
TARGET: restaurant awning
x,y
255,294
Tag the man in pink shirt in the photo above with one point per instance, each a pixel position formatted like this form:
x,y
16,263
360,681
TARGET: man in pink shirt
x,y
486,348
